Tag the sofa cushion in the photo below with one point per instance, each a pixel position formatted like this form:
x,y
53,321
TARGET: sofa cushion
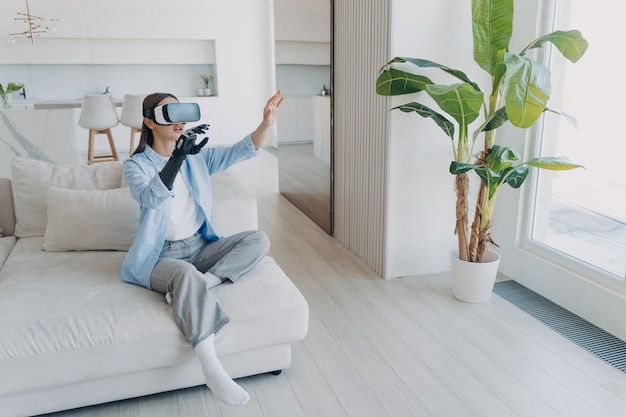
x,y
90,219
6,244
31,177
234,208
79,321
7,212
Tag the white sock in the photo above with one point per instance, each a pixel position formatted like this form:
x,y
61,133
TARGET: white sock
x,y
216,377
212,280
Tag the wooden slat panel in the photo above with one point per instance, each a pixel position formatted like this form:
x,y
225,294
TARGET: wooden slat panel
x,y
360,140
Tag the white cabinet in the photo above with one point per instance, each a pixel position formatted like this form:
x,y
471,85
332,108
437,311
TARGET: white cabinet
x,y
321,128
110,51
295,124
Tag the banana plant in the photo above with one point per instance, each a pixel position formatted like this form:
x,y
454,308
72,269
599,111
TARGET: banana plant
x,y
519,94
502,166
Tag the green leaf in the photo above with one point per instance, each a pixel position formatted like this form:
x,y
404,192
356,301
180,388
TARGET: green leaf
x,y
426,112
461,101
393,82
517,177
492,26
528,88
570,43
487,176
501,158
495,120
424,63
570,118
499,117
554,163
390,63
499,70
457,168
11,88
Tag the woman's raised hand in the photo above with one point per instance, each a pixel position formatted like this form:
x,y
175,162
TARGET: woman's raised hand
x,y
270,112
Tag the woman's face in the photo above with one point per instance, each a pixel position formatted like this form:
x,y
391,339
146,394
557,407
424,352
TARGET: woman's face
x,y
166,132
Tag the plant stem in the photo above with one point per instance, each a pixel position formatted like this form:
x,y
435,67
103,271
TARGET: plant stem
x,y
5,101
476,242
475,234
484,235
462,191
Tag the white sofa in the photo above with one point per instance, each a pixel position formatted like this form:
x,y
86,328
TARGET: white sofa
x,y
72,333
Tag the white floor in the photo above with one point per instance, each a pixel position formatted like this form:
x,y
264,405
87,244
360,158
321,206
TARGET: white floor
x,y
397,348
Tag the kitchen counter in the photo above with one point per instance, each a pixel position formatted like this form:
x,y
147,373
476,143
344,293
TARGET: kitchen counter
x,y
48,104
66,104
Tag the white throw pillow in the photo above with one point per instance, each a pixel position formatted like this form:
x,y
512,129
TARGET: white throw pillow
x,y
90,219
106,175
31,177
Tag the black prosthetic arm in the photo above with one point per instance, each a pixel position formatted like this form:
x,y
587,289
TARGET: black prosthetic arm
x,y
170,170
185,145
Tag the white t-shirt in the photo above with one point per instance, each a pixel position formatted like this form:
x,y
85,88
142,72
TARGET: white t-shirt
x,y
185,218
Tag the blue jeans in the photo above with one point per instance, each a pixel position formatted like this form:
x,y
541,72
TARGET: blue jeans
x,y
181,272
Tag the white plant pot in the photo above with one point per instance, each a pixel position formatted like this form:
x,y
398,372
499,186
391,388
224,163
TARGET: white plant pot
x,y
473,282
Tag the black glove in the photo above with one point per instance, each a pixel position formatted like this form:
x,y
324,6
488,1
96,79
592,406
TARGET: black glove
x,y
185,145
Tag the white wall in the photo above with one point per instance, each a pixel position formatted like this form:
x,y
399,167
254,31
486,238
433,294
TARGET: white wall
x,y
302,32
302,20
420,220
134,35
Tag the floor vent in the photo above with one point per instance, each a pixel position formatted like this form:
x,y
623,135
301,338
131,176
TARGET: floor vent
x,y
586,335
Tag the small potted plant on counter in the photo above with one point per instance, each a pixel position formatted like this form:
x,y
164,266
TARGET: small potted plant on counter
x,y
5,93
207,79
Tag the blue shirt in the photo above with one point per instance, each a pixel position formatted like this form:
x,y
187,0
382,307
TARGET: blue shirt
x,y
141,172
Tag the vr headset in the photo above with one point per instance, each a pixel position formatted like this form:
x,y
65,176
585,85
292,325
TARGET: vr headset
x,y
168,114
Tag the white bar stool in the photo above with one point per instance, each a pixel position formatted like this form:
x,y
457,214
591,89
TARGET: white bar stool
x,y
132,116
98,114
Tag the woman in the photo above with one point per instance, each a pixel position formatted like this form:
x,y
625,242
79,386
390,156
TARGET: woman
x,y
176,251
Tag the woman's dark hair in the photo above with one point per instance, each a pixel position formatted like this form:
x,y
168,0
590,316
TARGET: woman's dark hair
x,y
149,102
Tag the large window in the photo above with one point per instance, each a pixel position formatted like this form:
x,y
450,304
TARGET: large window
x,y
582,214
